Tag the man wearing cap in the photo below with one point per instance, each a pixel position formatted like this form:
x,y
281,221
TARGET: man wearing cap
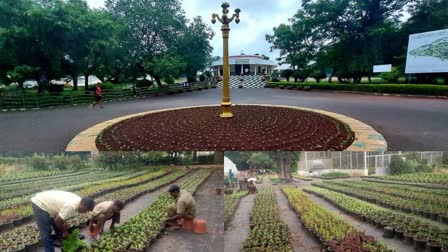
x,y
53,209
104,211
184,207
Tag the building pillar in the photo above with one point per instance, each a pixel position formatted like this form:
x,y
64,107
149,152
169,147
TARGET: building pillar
x,y
256,66
219,71
366,169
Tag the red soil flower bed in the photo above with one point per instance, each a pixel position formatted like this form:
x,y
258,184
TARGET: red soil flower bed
x,y
251,128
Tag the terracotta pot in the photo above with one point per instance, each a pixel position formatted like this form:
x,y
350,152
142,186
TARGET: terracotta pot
x,y
187,224
200,226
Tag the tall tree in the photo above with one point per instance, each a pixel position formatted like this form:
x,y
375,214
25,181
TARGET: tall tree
x,y
151,28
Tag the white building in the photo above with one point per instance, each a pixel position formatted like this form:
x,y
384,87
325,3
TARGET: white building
x,y
245,64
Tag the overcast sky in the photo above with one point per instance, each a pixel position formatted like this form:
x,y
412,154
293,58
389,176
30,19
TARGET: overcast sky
x,y
257,19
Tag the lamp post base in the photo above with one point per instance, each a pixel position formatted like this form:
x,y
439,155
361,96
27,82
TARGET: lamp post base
x,y
226,112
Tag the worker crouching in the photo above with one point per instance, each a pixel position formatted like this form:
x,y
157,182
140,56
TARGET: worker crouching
x,y
184,207
104,211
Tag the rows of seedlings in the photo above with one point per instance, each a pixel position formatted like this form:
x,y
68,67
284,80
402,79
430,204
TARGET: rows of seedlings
x,y
19,211
268,232
428,178
397,225
140,231
428,203
334,233
28,235
231,203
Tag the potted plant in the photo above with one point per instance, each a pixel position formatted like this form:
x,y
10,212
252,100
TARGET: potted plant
x,y
421,239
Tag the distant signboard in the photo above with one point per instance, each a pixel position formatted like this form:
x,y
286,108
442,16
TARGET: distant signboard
x,y
382,68
428,52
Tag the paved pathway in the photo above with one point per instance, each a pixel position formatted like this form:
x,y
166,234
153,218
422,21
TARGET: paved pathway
x,y
406,123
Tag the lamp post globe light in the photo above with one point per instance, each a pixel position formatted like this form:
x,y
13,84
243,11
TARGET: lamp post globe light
x,y
225,21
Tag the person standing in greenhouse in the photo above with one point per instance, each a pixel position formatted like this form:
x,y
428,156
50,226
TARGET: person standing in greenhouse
x,y
104,211
184,207
53,209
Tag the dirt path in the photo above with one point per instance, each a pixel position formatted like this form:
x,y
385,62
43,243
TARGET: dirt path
x,y
239,229
299,239
211,208
395,244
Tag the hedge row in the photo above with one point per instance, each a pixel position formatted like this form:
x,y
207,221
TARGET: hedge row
x,y
438,90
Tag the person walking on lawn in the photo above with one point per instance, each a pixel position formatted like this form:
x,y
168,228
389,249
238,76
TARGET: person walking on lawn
x,y
98,97
184,207
54,209
104,211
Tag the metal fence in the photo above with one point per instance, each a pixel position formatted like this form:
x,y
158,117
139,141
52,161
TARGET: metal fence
x,y
360,162
22,100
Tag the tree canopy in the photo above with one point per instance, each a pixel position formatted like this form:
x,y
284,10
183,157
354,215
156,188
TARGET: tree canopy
x,y
350,36
126,40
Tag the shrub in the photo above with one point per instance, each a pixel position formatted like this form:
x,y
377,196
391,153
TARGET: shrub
x,y
107,85
60,162
38,162
275,77
169,80
201,77
143,83
392,76
55,88
76,163
399,166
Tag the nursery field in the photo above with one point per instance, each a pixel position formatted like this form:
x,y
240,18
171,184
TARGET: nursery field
x,y
391,213
18,232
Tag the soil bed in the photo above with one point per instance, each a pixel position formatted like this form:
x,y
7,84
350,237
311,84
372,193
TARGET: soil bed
x,y
251,128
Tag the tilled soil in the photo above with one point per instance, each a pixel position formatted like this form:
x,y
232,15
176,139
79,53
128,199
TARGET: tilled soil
x,y
210,206
251,128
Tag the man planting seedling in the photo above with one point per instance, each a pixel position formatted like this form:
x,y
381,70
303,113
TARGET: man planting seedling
x,y
184,207
104,211
53,209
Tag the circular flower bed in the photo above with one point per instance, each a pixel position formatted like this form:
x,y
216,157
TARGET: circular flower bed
x,y
251,128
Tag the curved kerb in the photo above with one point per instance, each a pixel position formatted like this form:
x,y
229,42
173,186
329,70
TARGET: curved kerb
x,y
366,138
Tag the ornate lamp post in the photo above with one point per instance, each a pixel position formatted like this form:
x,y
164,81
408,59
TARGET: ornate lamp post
x,y
225,20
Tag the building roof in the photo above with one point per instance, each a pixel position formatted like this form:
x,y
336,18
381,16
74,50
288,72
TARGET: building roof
x,y
245,59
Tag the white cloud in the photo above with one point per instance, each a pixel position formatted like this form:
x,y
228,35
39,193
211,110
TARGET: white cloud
x,y
257,19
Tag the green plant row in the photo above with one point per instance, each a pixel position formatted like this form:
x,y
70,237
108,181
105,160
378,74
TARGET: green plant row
x,y
438,90
137,233
381,217
24,199
21,189
432,178
84,190
132,192
268,231
18,176
302,178
334,175
329,228
230,203
422,207
431,196
20,234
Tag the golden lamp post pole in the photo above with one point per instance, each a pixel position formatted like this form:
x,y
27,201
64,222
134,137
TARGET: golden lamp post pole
x,y
225,21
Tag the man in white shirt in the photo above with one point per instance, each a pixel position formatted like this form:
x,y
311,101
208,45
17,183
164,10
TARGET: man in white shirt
x,y
104,211
53,209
